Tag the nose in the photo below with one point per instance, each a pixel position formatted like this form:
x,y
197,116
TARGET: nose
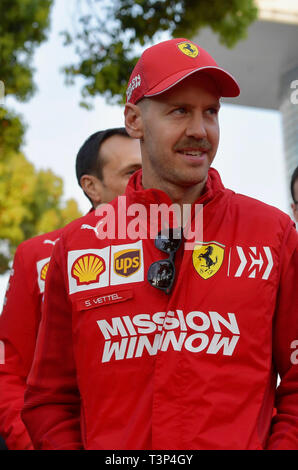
x,y
196,127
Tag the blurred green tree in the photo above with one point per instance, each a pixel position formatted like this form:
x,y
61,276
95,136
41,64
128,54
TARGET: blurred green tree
x,y
109,35
30,200
23,26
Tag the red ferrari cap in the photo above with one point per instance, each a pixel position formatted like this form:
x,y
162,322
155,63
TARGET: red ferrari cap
x,y
163,65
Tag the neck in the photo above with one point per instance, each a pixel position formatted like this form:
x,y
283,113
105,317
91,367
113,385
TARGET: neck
x,y
178,194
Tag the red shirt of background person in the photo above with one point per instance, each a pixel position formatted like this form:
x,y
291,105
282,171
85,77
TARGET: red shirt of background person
x,y
104,165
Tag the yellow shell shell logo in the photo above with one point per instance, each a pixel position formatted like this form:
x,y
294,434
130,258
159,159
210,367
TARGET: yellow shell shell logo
x,y
43,273
188,49
207,258
87,269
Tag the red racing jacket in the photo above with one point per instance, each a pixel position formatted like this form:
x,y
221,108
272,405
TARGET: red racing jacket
x,y
19,324
122,365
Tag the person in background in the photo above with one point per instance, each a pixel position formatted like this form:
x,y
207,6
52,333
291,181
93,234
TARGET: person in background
x,y
294,192
104,165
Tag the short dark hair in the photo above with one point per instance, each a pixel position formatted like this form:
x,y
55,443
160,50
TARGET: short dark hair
x,y
293,180
88,161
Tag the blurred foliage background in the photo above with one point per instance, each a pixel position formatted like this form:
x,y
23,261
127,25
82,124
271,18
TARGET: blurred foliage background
x,y
107,37
31,200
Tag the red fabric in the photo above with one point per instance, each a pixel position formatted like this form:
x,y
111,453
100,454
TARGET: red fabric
x,y
165,64
19,324
189,370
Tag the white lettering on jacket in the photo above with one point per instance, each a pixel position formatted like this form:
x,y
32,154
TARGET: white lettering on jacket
x,y
128,337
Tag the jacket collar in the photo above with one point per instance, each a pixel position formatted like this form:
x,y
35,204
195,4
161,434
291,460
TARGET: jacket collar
x,y
135,192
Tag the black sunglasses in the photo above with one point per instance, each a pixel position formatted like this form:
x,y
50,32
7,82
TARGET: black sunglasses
x,y
161,274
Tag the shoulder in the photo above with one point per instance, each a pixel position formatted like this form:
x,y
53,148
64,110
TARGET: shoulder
x,y
39,245
85,228
74,227
254,222
256,210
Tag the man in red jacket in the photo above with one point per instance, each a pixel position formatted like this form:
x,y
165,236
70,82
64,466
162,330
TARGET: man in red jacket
x,y
103,167
157,337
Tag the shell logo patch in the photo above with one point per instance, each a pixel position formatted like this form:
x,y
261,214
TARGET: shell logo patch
x,y
188,49
127,262
44,271
207,258
42,268
87,269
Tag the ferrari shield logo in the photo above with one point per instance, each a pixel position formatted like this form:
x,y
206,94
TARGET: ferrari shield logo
x,y
207,258
188,49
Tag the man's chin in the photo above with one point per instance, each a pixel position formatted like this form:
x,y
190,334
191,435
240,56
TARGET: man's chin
x,y
190,179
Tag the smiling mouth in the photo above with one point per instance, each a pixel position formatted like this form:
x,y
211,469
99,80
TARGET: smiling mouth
x,y
192,152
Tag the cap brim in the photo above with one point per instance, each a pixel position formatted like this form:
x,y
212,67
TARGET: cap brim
x,y
227,85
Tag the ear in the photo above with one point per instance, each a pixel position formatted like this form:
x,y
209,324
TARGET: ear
x,y
93,187
133,121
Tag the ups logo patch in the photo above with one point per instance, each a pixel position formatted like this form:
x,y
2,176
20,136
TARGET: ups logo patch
x,y
127,262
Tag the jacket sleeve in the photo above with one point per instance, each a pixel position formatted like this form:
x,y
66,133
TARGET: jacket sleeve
x,y
52,403
284,435
18,330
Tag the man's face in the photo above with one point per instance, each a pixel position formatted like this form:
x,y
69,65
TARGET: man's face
x,y
180,133
121,157
295,206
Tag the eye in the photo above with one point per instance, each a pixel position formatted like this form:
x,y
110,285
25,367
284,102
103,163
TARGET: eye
x,y
180,111
212,111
